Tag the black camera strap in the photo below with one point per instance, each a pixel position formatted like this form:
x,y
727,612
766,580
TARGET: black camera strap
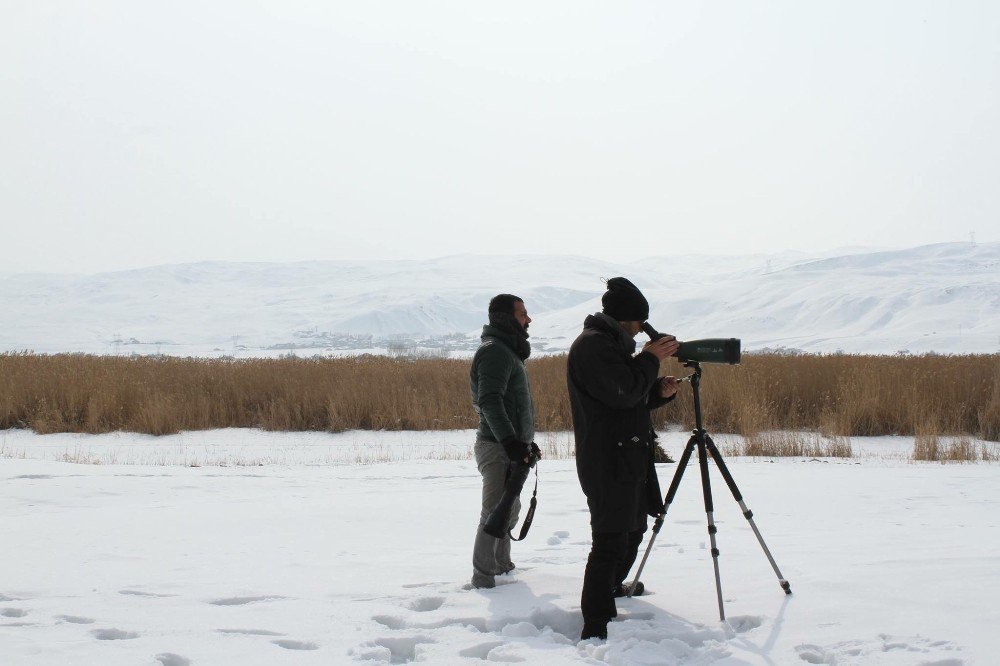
x,y
531,512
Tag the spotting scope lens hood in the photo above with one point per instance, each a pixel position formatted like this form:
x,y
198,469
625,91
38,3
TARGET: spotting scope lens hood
x,y
711,350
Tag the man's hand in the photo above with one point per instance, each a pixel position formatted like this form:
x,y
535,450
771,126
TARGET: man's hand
x,y
668,386
516,449
662,348
537,452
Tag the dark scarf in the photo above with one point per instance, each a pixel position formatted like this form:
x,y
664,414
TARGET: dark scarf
x,y
505,322
611,325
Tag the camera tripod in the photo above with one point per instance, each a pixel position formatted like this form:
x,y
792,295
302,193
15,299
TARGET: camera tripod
x,y
706,447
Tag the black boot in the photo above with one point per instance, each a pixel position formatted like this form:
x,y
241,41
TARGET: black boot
x,y
622,591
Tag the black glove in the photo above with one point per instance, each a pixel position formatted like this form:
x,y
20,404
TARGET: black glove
x,y
535,451
516,450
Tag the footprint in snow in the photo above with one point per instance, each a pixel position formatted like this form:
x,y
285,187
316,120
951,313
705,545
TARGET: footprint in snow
x,y
171,659
393,650
396,623
113,634
873,650
390,622
915,644
558,538
75,619
13,612
426,604
250,632
242,601
481,651
139,593
296,645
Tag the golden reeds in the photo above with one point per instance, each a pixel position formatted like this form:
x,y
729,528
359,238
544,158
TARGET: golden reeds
x,y
791,444
835,395
850,395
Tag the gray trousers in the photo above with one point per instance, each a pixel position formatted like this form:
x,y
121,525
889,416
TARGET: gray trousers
x,y
491,556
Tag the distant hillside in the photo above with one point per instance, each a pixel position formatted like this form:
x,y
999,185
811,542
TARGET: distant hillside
x,y
943,298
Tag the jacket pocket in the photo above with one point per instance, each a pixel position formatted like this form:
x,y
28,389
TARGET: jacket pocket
x,y
630,458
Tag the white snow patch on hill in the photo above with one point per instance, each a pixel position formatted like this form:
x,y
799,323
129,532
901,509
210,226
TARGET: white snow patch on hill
x,y
943,298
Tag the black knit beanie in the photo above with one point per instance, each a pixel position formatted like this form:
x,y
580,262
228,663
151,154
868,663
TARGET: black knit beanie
x,y
624,302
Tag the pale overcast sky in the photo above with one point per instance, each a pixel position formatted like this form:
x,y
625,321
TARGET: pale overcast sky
x,y
137,133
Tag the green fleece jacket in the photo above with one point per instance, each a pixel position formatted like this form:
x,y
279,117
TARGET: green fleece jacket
x,y
501,394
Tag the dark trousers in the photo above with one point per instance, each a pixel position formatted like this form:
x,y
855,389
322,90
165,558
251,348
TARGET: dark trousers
x,y
611,557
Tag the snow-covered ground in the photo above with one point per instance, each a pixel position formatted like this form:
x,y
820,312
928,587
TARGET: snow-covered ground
x,y
305,556
251,447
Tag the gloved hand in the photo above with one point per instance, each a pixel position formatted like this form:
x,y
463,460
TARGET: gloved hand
x,y
516,450
537,452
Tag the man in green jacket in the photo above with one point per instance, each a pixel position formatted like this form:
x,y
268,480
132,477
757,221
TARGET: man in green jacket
x,y
501,397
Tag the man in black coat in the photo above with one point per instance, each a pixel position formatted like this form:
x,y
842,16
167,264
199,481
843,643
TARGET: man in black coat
x,y
611,394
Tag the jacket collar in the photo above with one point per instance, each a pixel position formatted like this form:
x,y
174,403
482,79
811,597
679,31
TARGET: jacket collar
x,y
517,344
609,326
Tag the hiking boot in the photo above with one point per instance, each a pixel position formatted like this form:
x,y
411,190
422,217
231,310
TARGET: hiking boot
x,y
622,590
482,581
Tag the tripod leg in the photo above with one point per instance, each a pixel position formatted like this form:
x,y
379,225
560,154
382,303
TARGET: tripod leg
x,y
674,484
706,487
747,513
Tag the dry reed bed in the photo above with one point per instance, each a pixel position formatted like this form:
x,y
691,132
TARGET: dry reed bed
x,y
790,444
928,446
835,395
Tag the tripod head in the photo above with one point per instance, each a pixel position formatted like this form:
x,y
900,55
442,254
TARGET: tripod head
x,y
695,379
694,376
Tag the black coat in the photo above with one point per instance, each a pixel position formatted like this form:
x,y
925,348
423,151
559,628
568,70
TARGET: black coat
x,y
611,393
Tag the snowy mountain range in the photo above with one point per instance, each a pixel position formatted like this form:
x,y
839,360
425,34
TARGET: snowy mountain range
x,y
943,298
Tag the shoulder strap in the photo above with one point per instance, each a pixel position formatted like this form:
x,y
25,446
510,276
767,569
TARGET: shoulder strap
x,y
531,512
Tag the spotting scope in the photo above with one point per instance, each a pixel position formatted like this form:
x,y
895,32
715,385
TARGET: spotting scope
x,y
708,350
